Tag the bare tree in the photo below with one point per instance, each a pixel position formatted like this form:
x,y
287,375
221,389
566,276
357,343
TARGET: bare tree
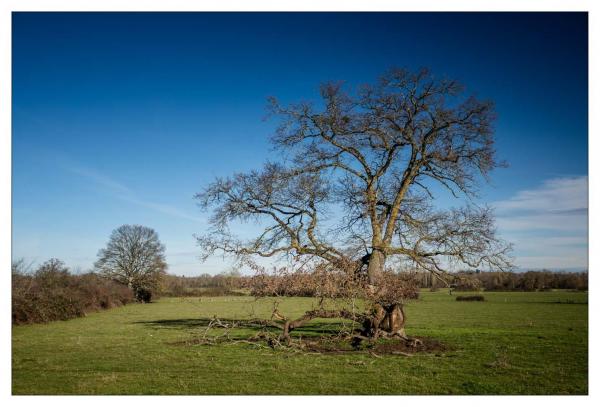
x,y
357,186
135,257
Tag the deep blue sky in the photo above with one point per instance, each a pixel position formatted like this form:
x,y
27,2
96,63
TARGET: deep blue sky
x,y
122,117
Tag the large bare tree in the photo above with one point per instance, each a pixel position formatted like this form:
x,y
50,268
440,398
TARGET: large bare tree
x,y
135,257
357,185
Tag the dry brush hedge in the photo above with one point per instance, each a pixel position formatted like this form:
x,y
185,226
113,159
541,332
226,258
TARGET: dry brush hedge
x,y
52,293
377,309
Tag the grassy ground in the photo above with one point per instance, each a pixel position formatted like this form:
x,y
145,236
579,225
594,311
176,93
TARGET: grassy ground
x,y
513,343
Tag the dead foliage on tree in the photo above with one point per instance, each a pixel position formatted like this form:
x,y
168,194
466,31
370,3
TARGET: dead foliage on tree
x,y
340,294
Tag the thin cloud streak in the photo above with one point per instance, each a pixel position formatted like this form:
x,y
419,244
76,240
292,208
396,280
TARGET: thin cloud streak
x,y
125,193
548,224
557,195
99,179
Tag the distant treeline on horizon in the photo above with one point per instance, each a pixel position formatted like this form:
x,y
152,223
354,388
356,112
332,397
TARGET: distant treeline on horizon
x,y
539,280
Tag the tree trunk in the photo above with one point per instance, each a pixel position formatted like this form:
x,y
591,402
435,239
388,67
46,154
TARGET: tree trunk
x,y
375,266
390,318
386,321
393,322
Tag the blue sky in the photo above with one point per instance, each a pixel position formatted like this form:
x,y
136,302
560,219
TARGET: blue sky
x,y
122,118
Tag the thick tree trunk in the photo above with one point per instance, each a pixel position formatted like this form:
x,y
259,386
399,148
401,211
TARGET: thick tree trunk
x,y
388,319
393,322
375,266
385,321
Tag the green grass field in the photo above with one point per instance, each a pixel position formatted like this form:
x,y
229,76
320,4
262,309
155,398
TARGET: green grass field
x,y
513,343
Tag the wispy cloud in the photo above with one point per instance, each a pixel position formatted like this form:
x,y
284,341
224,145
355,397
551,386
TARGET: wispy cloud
x,y
556,194
123,192
165,209
99,179
548,224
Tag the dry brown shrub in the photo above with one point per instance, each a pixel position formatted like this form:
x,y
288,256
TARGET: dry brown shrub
x,y
53,293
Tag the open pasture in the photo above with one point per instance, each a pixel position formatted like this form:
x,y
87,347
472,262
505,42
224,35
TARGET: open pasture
x,y
512,343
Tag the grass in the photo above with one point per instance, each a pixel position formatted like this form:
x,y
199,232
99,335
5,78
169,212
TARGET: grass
x,y
513,343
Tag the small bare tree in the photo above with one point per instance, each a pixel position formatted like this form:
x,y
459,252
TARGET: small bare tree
x,y
135,257
371,158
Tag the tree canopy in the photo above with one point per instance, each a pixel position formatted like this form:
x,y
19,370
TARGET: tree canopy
x,y
134,256
373,156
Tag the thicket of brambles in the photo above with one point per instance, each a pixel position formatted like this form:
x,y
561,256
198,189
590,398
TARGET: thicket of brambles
x,y
51,292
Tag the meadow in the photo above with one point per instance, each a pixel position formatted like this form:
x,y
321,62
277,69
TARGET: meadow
x,y
512,343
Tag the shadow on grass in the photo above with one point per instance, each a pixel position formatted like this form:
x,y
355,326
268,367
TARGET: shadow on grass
x,y
316,337
315,328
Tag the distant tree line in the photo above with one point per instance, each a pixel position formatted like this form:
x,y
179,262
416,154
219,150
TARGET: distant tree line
x,y
232,282
508,281
225,283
